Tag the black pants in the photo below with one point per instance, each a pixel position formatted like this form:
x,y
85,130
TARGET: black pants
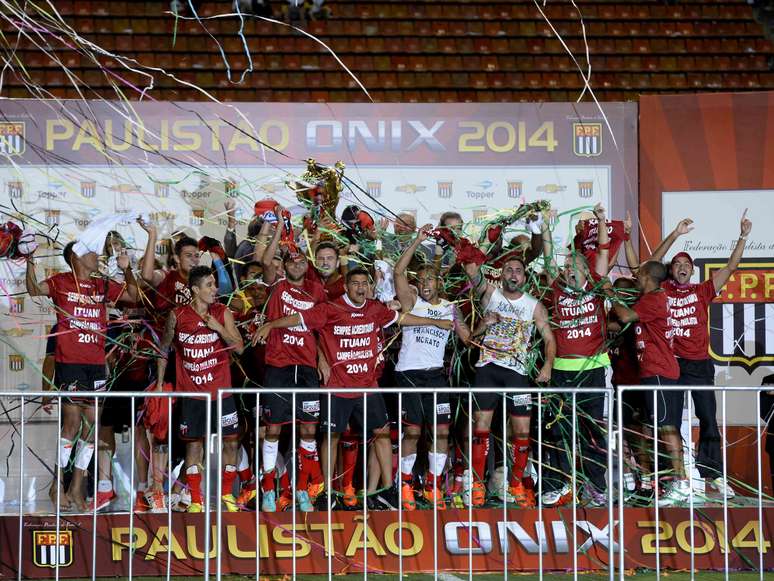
x,y
709,460
591,430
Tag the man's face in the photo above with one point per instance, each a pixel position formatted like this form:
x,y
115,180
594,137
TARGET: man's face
x,y
327,261
427,285
405,224
188,258
90,261
295,268
575,271
357,288
454,224
513,276
252,283
206,290
682,270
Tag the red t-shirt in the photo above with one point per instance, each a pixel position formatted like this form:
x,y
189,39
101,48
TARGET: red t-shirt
x,y
586,241
333,288
688,307
295,345
579,322
81,316
201,355
653,334
173,292
350,338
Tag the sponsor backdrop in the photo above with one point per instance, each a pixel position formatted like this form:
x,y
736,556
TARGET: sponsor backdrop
x,y
63,163
522,533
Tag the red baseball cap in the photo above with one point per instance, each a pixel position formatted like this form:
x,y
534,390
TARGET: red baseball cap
x,y
681,255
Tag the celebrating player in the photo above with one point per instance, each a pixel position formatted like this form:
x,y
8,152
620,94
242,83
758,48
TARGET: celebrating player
x,y
421,364
349,330
204,334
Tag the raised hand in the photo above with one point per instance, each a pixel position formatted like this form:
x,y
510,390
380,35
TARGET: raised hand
x,y
746,225
627,223
684,226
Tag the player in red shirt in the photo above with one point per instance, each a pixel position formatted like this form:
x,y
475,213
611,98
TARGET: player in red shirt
x,y
80,298
349,330
689,305
291,361
204,334
658,366
579,324
328,265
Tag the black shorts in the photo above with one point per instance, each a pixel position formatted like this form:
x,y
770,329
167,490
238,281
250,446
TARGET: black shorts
x,y
277,407
491,375
696,372
192,418
80,377
349,412
669,404
418,407
117,411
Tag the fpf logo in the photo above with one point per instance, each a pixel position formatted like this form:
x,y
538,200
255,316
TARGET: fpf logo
x,y
515,189
15,189
160,190
53,217
16,362
197,217
12,140
588,139
16,305
50,551
374,189
88,189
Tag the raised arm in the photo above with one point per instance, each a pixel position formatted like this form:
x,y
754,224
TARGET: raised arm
x,y
262,333
149,274
270,251
683,227
622,311
481,287
720,278
461,327
631,254
130,293
552,269
35,288
229,238
409,320
402,288
603,242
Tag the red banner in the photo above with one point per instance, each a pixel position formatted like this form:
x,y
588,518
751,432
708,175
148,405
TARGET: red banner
x,y
493,532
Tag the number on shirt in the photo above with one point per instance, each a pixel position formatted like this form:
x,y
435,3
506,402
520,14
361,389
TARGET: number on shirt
x,y
87,338
578,333
357,368
201,379
293,340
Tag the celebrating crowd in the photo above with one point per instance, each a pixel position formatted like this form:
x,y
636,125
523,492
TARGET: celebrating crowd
x,y
344,302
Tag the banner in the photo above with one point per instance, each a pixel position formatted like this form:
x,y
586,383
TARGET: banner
x,y
62,163
518,535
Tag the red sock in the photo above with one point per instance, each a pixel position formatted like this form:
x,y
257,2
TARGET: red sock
x,y
267,482
306,458
312,464
480,452
432,480
285,484
194,482
228,478
406,477
245,475
349,451
520,455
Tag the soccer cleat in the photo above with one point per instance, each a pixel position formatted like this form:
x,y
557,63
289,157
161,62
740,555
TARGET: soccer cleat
x,y
407,497
592,497
180,501
350,497
315,490
269,501
721,485
156,500
103,499
140,503
247,496
230,503
434,497
677,495
559,497
303,502
388,499
478,494
285,502
519,494
195,507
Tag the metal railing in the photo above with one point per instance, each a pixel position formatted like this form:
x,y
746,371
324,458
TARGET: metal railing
x,y
616,564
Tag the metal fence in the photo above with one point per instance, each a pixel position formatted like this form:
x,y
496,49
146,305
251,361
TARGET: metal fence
x,y
615,564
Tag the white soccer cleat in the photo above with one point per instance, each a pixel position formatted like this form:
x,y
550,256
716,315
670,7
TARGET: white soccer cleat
x,y
677,495
721,485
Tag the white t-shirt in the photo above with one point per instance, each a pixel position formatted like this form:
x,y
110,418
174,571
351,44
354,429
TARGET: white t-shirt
x,y
507,343
423,347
